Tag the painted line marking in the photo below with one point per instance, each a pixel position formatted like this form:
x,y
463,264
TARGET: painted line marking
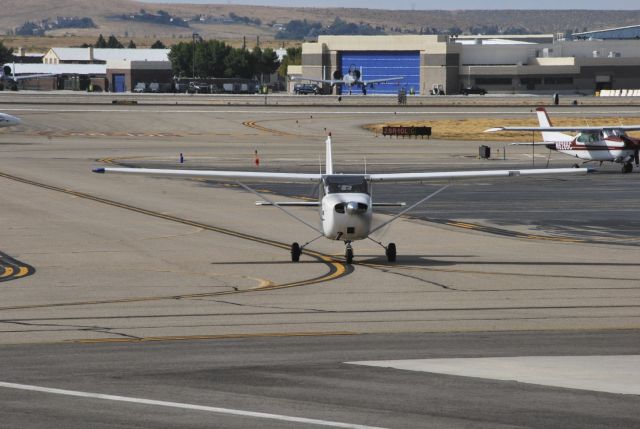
x,y
617,374
7,272
215,109
184,406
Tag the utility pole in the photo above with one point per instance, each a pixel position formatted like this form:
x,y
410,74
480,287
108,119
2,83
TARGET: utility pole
x,y
194,38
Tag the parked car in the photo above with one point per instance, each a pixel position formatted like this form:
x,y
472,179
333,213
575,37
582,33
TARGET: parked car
x,y
306,88
154,87
199,88
140,87
473,90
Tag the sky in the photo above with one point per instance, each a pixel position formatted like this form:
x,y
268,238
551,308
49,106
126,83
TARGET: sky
x,y
435,4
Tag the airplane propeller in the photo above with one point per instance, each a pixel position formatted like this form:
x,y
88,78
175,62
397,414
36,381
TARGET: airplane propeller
x,y
337,75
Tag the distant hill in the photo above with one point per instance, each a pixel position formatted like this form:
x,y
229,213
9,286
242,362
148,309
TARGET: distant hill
x,y
104,13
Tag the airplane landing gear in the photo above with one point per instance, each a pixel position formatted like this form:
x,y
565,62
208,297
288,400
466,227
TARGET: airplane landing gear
x,y
348,252
627,167
295,252
391,252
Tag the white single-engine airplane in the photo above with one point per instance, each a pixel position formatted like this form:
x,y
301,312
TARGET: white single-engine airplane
x,y
607,143
351,79
345,200
8,120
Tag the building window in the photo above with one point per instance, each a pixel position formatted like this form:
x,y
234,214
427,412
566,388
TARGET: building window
x,y
558,81
493,81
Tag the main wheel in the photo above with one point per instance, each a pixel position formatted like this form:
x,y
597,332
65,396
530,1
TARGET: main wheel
x,y
391,252
295,252
348,255
627,167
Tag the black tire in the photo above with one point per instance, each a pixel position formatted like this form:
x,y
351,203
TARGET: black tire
x,y
348,255
295,252
391,252
627,168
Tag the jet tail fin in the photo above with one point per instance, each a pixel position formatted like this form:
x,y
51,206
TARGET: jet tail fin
x,y
545,122
329,157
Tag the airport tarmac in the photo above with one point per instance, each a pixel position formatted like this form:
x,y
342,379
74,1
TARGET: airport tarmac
x,y
182,292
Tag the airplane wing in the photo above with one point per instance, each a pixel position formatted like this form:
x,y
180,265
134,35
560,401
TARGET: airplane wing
x,y
389,79
249,176
421,177
329,81
574,129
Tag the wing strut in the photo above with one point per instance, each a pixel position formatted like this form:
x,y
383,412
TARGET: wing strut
x,y
428,197
273,203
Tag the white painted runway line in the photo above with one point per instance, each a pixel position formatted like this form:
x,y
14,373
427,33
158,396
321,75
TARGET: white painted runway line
x,y
300,111
193,407
611,374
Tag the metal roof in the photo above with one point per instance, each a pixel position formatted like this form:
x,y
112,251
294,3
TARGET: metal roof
x,y
39,68
629,32
104,54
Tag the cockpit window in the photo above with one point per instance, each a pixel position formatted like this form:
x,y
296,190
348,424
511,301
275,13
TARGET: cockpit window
x,y
590,137
346,184
612,133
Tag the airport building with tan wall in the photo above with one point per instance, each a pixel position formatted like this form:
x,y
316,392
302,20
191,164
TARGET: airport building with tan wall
x,y
500,64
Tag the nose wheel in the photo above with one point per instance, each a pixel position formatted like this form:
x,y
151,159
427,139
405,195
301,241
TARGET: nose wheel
x,y
391,252
295,252
348,253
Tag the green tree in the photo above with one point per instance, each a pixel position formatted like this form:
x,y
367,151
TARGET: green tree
x,y
239,64
6,54
113,43
210,58
269,62
293,57
101,43
158,45
181,57
131,45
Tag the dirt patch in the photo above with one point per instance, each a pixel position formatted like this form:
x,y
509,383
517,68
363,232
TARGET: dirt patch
x,y
473,129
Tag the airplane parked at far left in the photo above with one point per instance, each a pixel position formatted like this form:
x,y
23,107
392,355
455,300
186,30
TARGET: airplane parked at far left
x,y
8,120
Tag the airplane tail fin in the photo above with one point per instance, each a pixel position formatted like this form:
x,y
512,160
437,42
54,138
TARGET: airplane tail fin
x,y
329,157
545,121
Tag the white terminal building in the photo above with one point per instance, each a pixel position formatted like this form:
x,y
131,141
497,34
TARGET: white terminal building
x,y
501,64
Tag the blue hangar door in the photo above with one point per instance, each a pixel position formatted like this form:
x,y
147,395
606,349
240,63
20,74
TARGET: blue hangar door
x,y
382,65
118,83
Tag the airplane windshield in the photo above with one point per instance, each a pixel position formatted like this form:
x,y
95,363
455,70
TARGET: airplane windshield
x,y
346,184
589,137
613,133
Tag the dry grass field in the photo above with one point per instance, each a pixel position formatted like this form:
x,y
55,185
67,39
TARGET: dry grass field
x,y
473,129
16,12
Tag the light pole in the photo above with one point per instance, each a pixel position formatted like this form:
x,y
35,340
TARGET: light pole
x,y
194,37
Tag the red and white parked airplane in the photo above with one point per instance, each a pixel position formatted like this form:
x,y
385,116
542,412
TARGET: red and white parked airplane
x,y
606,143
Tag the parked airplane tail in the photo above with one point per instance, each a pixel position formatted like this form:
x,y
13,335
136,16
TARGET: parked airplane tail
x,y
549,136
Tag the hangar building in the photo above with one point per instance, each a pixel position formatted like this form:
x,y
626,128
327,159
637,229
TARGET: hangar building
x,y
503,64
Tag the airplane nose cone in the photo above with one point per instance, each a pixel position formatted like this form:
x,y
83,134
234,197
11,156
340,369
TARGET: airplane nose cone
x,y
352,208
